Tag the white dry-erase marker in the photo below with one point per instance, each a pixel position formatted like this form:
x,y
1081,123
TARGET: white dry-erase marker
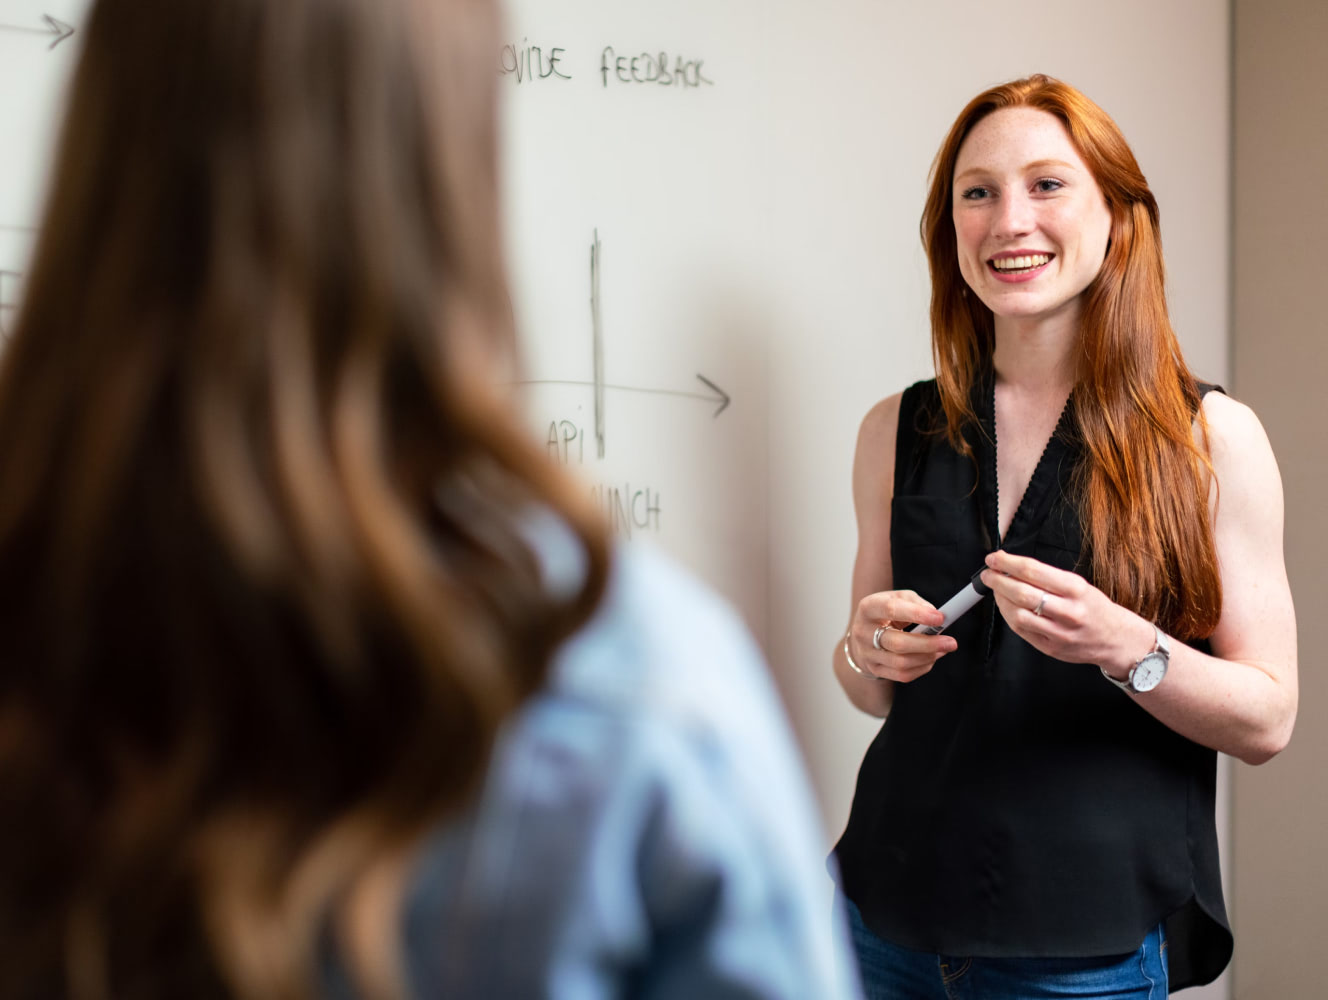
x,y
956,606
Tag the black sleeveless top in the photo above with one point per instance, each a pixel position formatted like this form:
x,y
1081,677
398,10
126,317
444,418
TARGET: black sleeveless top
x,y
1013,805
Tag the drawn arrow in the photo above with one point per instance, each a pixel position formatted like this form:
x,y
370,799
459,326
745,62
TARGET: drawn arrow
x,y
58,29
715,395
723,399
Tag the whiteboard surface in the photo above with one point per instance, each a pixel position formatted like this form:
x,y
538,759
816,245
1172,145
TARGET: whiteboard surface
x,y
756,221
763,231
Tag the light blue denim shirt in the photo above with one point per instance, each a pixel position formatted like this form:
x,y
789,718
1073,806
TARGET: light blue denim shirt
x,y
647,829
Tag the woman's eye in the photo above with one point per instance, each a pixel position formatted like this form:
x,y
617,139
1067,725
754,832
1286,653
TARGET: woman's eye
x,y
1047,184
975,193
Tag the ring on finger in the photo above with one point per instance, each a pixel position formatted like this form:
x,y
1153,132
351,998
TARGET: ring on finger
x,y
1038,610
880,631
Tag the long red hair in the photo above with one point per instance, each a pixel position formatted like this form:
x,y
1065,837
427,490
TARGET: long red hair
x,y
1143,486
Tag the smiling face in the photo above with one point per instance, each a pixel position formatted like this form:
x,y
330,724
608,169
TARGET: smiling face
x,y
1031,223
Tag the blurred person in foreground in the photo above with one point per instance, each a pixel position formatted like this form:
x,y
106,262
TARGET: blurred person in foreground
x,y
318,679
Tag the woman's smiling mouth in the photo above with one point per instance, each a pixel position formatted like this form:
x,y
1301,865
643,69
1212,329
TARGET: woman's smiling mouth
x,y
1015,267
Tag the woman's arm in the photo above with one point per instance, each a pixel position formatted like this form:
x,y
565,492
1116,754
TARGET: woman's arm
x,y
1242,699
904,657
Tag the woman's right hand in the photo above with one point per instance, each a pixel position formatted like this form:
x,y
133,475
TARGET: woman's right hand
x,y
901,656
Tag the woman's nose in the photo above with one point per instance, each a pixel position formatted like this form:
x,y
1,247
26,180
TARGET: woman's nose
x,y
1014,216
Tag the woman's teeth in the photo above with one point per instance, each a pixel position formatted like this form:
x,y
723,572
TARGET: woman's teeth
x,y
1021,263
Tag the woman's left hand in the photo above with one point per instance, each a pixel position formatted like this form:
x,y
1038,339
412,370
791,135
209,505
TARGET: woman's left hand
x,y
1063,615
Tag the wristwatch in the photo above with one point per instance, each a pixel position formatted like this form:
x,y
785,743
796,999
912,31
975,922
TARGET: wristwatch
x,y
1149,671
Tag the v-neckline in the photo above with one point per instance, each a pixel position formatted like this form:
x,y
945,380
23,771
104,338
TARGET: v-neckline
x,y
1032,507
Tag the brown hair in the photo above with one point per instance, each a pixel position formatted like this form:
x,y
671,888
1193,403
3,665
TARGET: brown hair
x,y
1143,487
266,592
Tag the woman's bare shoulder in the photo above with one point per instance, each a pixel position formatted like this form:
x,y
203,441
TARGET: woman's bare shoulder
x,y
1248,480
1235,433
880,424
874,459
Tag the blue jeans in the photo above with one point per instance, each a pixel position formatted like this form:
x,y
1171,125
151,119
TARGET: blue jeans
x,y
893,973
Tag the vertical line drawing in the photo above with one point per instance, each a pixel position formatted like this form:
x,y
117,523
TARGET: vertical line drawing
x,y
597,341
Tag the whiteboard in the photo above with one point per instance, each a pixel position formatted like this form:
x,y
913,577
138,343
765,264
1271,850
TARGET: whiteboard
x,y
712,227
761,230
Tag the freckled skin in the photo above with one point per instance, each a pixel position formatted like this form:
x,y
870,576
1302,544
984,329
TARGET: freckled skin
x,y
1020,185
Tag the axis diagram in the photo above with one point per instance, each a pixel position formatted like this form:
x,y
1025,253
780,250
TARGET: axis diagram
x,y
712,393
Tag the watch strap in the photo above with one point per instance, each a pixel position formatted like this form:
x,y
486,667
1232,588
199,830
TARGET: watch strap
x,y
1123,685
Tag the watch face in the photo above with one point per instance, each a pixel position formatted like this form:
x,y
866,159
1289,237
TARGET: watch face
x,y
1148,673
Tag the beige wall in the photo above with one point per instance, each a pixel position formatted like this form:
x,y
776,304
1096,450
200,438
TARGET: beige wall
x,y
1280,367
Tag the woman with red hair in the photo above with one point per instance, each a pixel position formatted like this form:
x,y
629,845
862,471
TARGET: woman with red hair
x,y
1036,815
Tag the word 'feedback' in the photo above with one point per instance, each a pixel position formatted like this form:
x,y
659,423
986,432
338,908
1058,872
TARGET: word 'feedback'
x,y
651,67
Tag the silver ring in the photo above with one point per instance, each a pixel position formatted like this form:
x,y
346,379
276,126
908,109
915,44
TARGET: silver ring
x,y
1038,610
880,631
